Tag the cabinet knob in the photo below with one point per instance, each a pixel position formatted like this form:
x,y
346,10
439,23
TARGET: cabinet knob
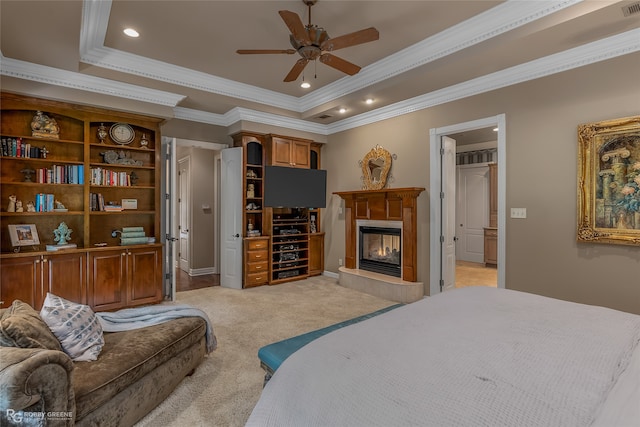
x,y
37,261
45,260
258,256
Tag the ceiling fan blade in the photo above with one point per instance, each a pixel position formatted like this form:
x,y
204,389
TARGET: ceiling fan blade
x,y
296,70
339,64
295,25
351,39
264,51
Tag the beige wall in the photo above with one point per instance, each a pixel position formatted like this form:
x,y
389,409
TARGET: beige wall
x,y
542,255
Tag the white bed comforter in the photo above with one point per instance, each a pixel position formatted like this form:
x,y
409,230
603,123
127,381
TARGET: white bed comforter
x,y
469,357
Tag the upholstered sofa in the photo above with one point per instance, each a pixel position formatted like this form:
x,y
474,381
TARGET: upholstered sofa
x,y
134,372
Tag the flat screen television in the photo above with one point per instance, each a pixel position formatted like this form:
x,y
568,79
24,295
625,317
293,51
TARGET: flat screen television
x,y
294,187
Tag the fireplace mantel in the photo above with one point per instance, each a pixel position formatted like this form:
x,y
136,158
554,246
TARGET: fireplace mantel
x,y
389,204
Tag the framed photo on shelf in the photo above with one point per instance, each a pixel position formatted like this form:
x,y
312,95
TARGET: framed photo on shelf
x,y
23,234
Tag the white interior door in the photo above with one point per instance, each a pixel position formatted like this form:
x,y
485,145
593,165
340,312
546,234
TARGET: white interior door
x,y
472,211
448,192
184,203
231,218
169,214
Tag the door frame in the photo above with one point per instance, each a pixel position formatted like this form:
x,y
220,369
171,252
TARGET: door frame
x,y
435,220
169,179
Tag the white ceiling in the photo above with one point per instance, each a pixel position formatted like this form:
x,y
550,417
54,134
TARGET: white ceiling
x,y
428,52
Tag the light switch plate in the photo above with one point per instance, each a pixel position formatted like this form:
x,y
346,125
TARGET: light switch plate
x,y
518,212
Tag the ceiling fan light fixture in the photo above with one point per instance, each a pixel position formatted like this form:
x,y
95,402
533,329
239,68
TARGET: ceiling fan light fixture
x,y
305,85
342,110
312,42
368,101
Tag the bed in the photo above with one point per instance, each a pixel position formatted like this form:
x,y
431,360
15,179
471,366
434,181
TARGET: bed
x,y
469,357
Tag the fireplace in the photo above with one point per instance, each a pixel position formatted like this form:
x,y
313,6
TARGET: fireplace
x,y
380,250
388,218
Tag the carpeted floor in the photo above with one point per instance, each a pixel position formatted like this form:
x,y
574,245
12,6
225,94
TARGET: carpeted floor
x,y
226,386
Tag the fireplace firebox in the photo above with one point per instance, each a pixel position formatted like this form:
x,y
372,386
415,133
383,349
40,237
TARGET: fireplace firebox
x,y
380,250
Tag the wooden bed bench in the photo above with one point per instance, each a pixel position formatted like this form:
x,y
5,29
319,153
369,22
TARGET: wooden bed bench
x,y
271,356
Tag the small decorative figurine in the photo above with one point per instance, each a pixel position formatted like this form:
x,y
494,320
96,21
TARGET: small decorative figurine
x,y
44,152
30,206
120,158
312,226
44,126
102,133
19,207
62,234
27,174
59,207
144,142
12,203
251,174
250,191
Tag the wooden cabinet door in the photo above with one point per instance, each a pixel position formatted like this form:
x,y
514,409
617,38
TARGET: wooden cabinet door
x,y
290,153
316,254
144,271
281,152
107,279
300,154
64,275
21,278
490,246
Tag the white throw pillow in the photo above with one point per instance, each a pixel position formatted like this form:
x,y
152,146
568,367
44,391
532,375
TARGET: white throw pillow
x,y
75,325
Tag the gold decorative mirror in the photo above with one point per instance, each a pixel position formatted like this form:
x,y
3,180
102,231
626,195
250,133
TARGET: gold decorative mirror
x,y
375,168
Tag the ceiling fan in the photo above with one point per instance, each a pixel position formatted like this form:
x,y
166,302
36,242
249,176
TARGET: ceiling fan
x,y
312,42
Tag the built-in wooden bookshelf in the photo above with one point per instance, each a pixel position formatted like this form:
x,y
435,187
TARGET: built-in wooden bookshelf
x,y
61,164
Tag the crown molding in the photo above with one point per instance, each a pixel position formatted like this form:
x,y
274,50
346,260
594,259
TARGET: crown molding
x,y
611,47
57,77
601,50
95,19
238,114
493,22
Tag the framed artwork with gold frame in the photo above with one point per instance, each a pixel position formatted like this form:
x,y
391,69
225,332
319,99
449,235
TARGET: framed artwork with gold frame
x,y
609,181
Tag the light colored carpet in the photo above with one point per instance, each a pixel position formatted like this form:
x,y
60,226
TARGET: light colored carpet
x,y
226,386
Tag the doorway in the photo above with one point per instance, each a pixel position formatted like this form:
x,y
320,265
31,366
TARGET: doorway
x,y
441,193
202,247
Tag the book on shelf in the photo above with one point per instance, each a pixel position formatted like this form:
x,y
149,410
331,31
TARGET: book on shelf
x,y
52,248
44,202
133,240
133,234
113,208
132,229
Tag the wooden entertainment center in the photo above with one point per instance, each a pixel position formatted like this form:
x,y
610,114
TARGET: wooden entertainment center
x,y
84,158
280,244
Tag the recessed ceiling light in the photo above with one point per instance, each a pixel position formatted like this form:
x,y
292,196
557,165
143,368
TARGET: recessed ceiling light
x,y
305,85
131,32
369,101
342,110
